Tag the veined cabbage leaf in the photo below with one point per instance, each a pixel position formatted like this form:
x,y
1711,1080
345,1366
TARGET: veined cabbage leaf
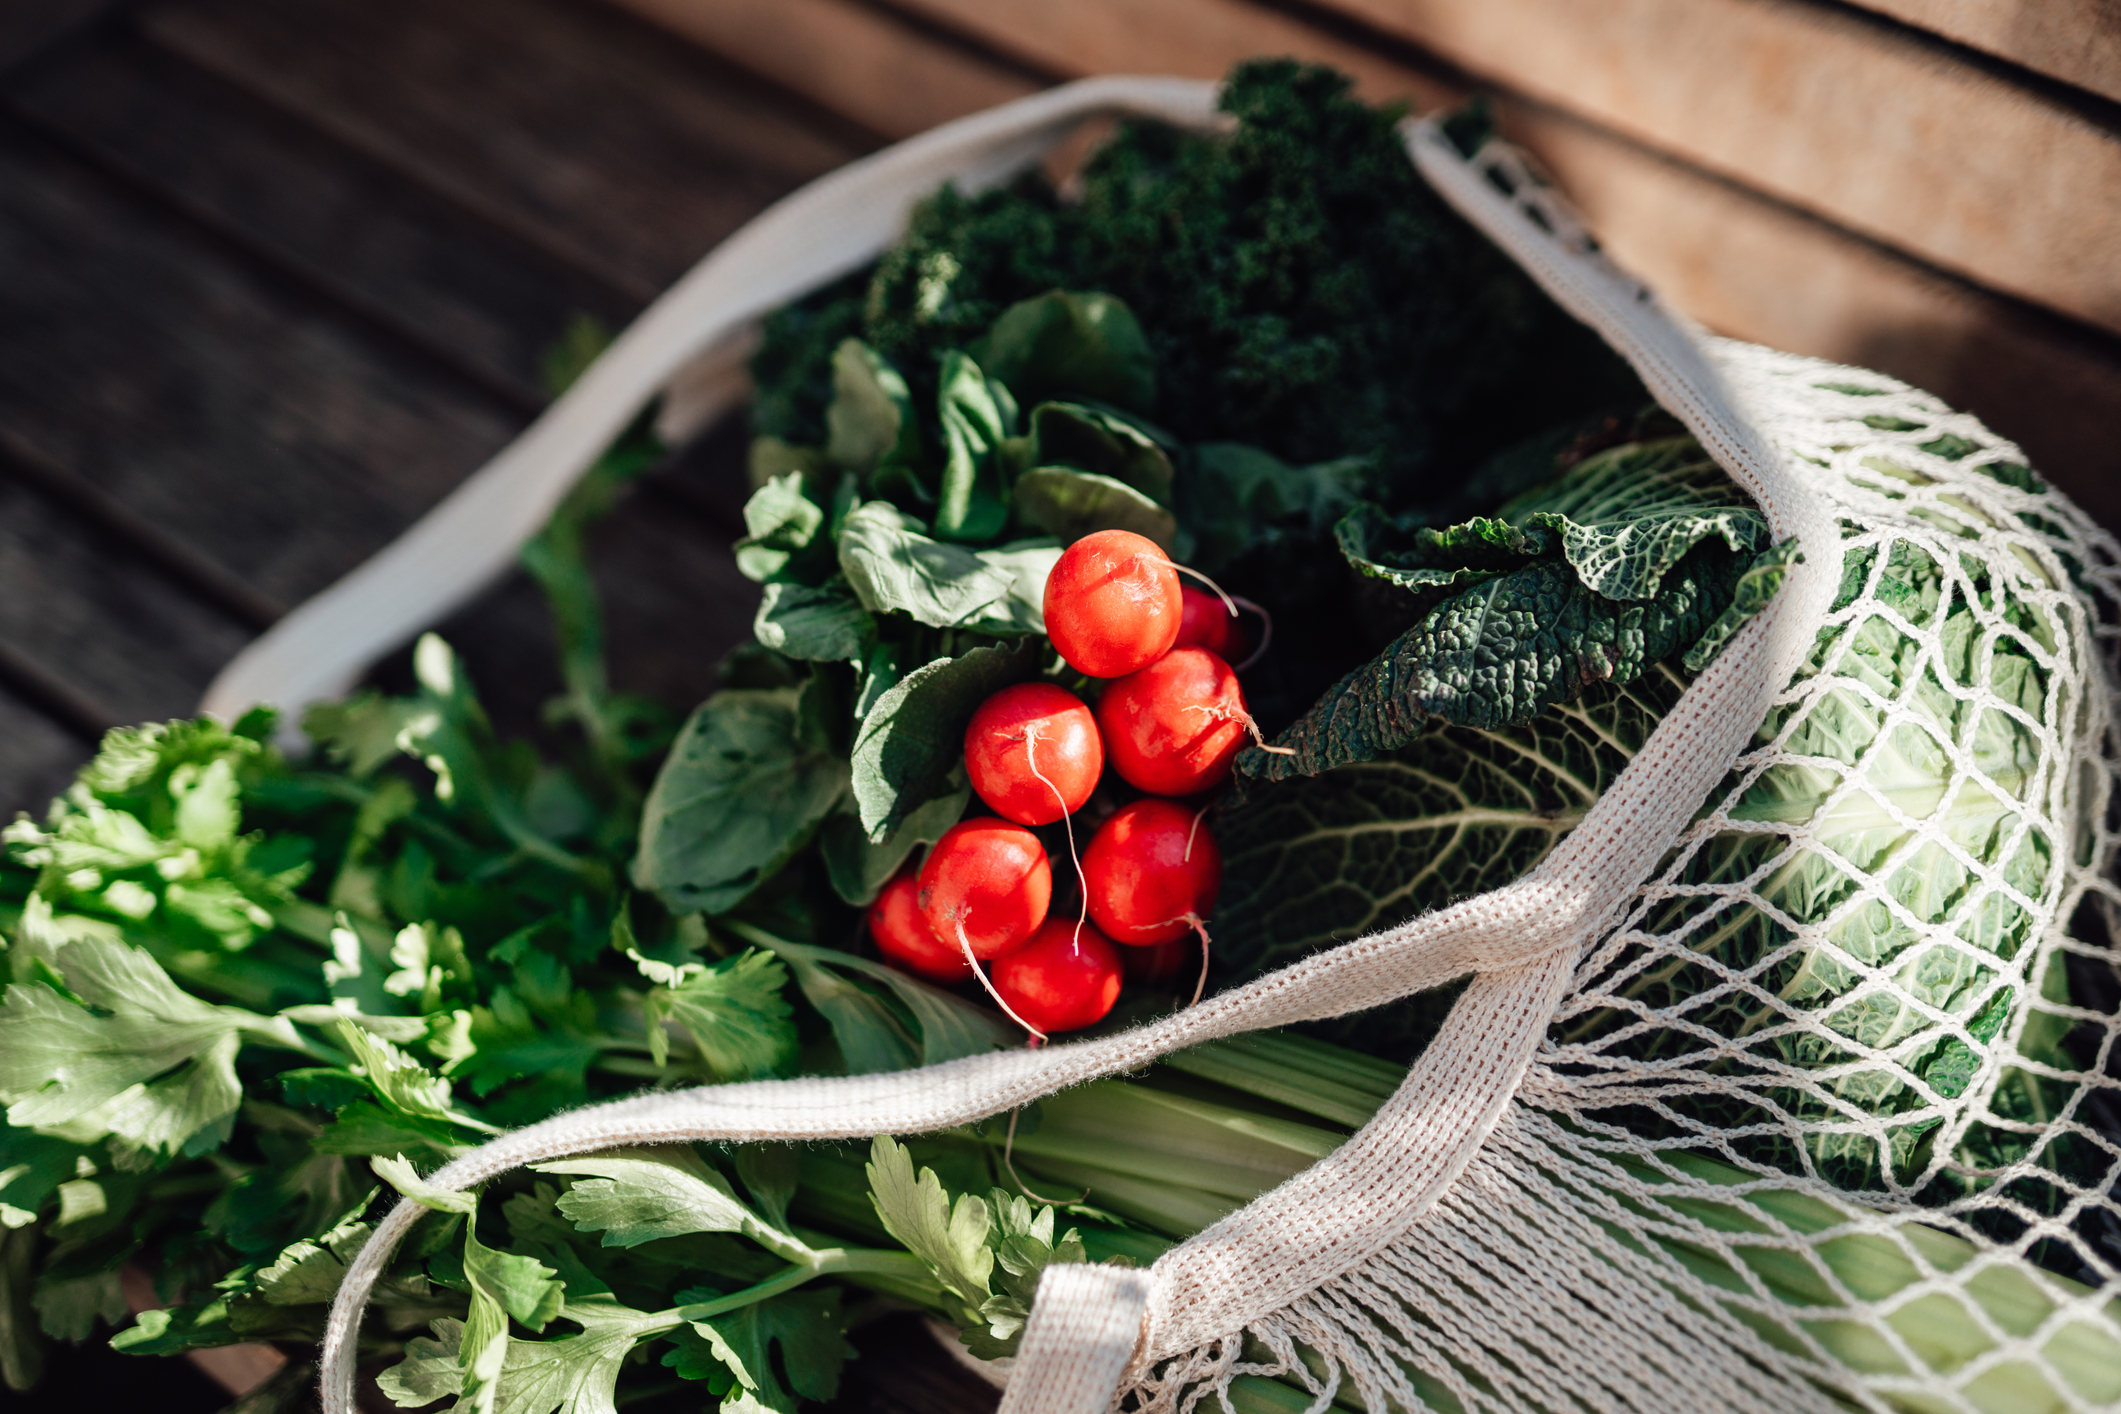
x,y
1555,636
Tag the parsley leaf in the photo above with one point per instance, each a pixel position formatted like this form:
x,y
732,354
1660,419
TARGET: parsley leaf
x,y
734,1012
107,1043
811,1333
918,1213
639,1195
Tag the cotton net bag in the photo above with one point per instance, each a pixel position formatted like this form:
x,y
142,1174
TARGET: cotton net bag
x,y
1932,684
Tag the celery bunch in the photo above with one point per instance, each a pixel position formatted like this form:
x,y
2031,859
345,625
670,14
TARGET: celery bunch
x,y
1203,1133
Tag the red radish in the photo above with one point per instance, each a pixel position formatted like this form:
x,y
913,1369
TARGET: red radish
x,y
1174,727
1206,622
906,940
1154,871
1151,873
1065,978
1033,753
985,886
1112,603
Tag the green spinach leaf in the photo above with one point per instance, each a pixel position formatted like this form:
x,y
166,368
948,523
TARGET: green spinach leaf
x,y
977,415
1100,441
1072,345
751,777
826,624
895,568
914,735
871,418
1070,504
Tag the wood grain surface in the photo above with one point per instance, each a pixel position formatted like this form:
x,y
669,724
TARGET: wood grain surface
x,y
399,255
618,149
1857,122
893,79
200,393
2075,41
1762,271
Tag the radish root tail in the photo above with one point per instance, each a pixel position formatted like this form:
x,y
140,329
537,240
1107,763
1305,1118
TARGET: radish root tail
x,y
1229,602
1259,738
1234,602
1009,1163
1082,880
1038,1037
1266,633
1193,920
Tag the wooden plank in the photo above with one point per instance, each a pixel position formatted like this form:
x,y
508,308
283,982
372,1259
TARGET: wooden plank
x,y
616,148
30,27
890,78
1189,38
2076,41
127,643
38,757
1851,120
398,256
226,408
1775,276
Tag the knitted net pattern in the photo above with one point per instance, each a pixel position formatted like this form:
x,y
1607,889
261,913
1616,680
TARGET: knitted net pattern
x,y
1836,1083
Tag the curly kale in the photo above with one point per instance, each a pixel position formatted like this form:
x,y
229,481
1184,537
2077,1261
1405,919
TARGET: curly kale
x,y
1302,288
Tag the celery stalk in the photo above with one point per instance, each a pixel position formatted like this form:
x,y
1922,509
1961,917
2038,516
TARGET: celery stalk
x,y
1174,1154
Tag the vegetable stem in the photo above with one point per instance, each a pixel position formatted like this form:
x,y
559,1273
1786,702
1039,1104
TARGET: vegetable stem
x,y
830,1261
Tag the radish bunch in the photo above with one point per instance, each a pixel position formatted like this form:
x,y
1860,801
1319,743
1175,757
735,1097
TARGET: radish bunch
x,y
1169,719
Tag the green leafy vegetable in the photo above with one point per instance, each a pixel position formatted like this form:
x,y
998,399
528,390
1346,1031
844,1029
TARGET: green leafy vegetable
x,y
748,781
1104,443
826,623
809,1330
912,738
858,869
871,419
783,542
104,1043
965,1242
1627,559
636,1196
733,1011
977,415
1060,345
894,568
1071,504
1297,286
929,1025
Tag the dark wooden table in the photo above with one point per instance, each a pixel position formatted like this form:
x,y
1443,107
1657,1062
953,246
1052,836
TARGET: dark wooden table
x,y
274,277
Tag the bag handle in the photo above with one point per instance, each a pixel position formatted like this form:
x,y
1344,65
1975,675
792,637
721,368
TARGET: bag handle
x,y
834,225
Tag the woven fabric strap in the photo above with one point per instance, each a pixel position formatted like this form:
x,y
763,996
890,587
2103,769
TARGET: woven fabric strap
x,y
1090,1320
1521,940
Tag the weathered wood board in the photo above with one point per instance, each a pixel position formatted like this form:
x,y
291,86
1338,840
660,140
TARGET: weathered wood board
x,y
605,145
